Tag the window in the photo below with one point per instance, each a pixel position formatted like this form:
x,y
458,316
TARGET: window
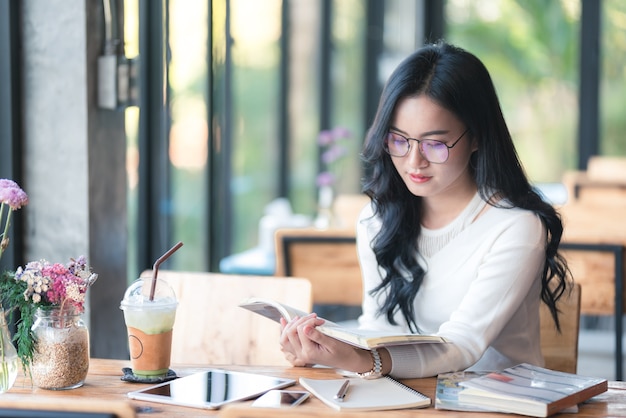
x,y
612,77
531,50
249,88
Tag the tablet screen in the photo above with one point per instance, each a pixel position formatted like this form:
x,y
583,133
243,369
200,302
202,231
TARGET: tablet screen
x,y
211,388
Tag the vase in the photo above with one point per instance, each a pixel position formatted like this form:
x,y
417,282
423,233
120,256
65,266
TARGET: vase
x,y
325,200
61,357
9,361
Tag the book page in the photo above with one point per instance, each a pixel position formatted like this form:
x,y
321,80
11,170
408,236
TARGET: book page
x,y
375,338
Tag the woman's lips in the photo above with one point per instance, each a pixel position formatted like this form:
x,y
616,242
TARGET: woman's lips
x,y
419,178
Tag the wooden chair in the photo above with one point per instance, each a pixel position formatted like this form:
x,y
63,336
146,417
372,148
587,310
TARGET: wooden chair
x,y
211,329
560,350
346,209
594,244
327,257
602,184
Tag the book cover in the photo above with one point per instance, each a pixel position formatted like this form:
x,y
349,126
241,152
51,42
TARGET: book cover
x,y
530,390
366,395
271,309
366,339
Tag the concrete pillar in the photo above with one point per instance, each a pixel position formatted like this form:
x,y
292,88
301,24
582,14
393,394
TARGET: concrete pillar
x,y
74,158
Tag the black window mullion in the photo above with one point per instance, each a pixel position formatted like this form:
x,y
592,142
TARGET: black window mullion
x,y
220,149
154,168
283,111
10,122
373,50
434,22
325,82
589,93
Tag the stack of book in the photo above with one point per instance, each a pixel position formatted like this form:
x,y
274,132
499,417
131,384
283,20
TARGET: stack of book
x,y
523,389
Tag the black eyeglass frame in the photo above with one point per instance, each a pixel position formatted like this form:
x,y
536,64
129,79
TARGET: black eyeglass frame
x,y
419,142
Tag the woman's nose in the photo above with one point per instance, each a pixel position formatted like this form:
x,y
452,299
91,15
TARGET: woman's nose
x,y
415,157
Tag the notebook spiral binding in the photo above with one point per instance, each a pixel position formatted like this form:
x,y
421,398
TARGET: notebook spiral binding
x,y
402,385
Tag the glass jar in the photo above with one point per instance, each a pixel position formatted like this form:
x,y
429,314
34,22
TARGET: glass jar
x,y
8,356
61,356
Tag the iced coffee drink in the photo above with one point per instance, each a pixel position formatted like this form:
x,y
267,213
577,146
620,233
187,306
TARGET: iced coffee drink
x,y
150,326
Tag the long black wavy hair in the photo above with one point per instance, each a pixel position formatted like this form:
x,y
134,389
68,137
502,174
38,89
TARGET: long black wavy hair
x,y
459,82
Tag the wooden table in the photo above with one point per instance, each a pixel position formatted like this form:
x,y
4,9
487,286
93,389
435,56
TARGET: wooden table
x,y
104,387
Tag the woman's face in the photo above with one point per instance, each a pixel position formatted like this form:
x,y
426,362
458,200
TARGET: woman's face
x,y
421,118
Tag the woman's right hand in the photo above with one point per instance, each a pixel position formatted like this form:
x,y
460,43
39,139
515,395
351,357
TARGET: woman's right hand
x,y
290,338
304,345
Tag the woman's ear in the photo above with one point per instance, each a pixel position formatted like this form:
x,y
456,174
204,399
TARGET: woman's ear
x,y
474,144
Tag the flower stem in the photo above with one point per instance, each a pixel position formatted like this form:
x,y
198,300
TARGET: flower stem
x,y
3,237
4,379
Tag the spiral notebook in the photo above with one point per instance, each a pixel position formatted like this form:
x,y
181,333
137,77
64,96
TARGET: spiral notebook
x,y
366,395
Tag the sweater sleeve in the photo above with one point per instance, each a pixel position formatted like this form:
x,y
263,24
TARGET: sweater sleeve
x,y
500,292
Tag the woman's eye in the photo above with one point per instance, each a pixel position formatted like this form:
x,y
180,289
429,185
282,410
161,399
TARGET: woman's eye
x,y
433,144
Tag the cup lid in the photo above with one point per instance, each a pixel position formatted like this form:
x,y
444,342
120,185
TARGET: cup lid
x,y
137,296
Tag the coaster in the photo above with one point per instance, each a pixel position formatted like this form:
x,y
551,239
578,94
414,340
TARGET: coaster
x,y
130,377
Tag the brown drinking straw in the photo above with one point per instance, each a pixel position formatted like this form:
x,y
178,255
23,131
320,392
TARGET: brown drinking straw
x,y
155,268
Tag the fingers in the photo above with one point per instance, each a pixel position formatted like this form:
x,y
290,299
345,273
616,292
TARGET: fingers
x,y
303,345
292,338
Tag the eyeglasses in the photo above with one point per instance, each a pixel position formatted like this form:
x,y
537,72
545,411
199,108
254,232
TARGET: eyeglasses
x,y
432,150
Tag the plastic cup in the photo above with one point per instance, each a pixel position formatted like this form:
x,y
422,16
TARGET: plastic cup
x,y
150,325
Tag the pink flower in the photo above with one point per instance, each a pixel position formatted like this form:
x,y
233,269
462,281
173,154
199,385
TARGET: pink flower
x,y
56,284
11,194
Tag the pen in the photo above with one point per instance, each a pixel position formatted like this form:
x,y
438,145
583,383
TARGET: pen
x,y
343,391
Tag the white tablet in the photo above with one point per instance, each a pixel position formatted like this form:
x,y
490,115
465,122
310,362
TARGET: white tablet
x,y
210,389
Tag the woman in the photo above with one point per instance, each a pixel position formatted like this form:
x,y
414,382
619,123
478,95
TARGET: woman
x,y
455,242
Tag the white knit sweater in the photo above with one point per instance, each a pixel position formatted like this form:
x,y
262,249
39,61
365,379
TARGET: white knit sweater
x,y
481,291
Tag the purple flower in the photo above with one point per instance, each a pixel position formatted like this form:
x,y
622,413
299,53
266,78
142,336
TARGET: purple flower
x,y
11,194
325,138
325,178
330,142
333,154
341,132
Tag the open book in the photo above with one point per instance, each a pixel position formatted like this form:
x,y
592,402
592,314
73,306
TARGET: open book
x,y
366,339
529,390
366,395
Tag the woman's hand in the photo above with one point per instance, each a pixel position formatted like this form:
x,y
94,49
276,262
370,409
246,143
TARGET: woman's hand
x,y
304,345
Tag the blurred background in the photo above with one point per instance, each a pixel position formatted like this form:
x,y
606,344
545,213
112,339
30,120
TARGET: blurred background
x,y
273,74
217,106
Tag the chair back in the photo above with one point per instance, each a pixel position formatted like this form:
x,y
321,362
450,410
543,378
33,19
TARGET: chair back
x,y
560,350
346,209
327,257
211,329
